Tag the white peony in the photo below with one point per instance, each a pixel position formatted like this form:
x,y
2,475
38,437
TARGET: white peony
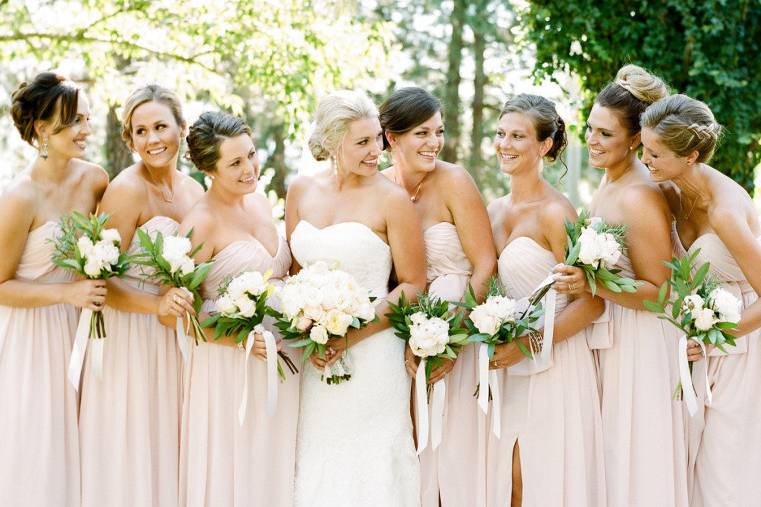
x,y
319,334
85,246
501,307
429,338
301,323
365,311
590,250
93,266
692,303
484,320
704,319
107,252
337,322
610,250
225,305
186,266
315,313
246,306
175,252
290,301
254,283
726,304
111,235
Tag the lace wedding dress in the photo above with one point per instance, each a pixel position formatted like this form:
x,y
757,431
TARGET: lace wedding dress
x,y
355,439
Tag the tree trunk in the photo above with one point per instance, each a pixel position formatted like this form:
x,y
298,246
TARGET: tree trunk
x,y
452,90
117,155
278,161
475,165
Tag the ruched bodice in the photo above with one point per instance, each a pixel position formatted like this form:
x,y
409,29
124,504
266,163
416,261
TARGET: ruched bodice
x,y
443,252
135,275
245,255
523,265
723,265
35,263
349,246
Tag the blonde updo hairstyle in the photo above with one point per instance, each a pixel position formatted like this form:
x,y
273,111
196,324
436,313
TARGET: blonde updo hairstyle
x,y
684,125
149,93
334,114
630,93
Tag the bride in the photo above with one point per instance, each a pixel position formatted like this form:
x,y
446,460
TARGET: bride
x,y
355,439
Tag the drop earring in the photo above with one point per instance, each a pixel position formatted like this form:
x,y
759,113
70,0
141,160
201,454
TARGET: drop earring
x,y
44,148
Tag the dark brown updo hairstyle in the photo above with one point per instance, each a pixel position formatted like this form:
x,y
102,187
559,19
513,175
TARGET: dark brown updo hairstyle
x,y
684,125
547,122
630,93
405,109
149,93
49,97
207,134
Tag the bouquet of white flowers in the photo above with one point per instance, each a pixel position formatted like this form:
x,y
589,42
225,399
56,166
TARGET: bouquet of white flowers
x,y
434,334
500,320
702,310
319,303
86,247
169,260
240,309
596,247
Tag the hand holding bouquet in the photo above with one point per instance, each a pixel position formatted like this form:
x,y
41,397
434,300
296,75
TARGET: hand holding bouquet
x,y
86,247
702,310
596,247
433,333
240,310
170,262
318,304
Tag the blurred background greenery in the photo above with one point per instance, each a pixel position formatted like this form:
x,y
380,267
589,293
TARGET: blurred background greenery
x,y
271,60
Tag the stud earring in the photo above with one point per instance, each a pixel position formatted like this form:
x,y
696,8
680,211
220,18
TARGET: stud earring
x,y
44,148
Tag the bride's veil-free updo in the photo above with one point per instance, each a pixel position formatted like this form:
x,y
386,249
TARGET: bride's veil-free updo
x,y
49,97
630,93
334,114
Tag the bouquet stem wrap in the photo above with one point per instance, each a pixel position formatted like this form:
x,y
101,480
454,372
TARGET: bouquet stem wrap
x,y
437,409
271,349
685,375
182,338
85,330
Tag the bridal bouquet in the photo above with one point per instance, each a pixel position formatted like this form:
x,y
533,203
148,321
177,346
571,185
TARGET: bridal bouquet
x,y
240,309
701,309
170,262
320,303
434,334
86,247
596,247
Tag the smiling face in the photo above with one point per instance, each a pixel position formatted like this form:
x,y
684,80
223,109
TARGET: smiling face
x,y
663,163
237,170
608,141
418,148
155,134
516,144
71,141
361,147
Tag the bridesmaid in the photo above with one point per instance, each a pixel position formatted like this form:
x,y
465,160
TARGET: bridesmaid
x,y
39,454
129,419
717,216
550,450
643,427
456,226
222,462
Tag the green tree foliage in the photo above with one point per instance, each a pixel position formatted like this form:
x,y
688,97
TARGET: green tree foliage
x,y
708,50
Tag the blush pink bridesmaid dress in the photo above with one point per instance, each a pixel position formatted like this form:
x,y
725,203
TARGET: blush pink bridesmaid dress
x,y
130,418
39,449
221,462
552,413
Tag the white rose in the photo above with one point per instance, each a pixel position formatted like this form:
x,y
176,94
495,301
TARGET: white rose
x,y
225,305
611,251
366,311
85,246
107,252
111,235
338,322
726,304
484,320
246,307
315,313
589,252
704,319
318,334
176,247
254,283
692,302
93,266
236,289
301,323
187,266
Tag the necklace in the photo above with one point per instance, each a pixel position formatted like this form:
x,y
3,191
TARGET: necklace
x,y
414,196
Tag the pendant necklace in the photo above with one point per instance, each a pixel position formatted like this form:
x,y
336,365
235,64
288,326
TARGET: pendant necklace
x,y
414,196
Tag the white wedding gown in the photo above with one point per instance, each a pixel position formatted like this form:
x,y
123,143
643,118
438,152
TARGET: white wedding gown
x,y
355,443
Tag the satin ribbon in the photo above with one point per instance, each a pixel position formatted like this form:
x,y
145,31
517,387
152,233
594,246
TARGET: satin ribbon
x,y
81,340
438,400
271,349
489,381
688,390
182,338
